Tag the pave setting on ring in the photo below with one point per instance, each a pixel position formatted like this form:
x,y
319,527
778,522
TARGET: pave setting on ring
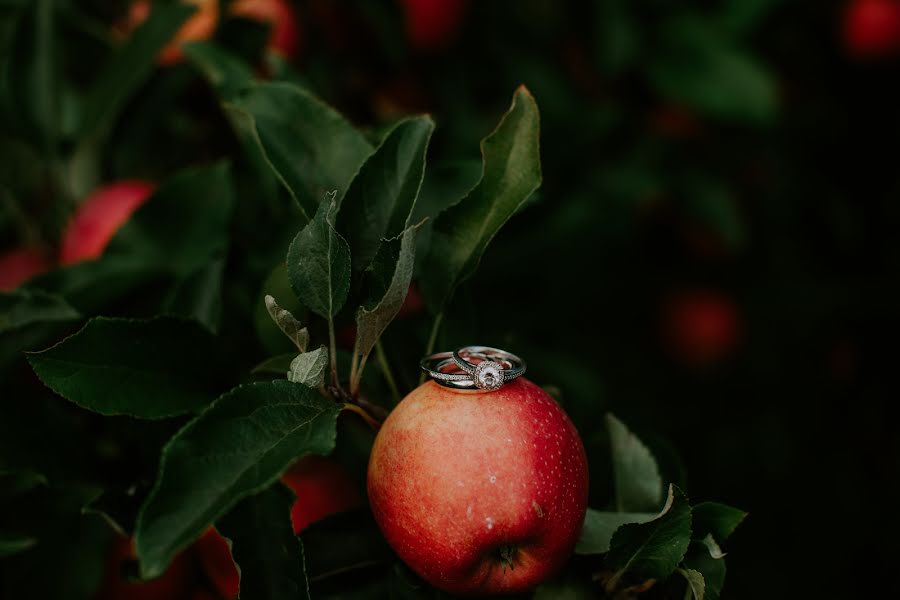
x,y
488,375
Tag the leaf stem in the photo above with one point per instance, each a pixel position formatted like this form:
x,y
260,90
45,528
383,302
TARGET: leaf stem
x,y
386,371
432,339
372,421
332,345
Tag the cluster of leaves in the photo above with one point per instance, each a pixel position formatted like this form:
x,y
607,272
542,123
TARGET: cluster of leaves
x,y
338,222
642,549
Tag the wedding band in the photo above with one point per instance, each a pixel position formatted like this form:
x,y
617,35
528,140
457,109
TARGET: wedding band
x,y
494,368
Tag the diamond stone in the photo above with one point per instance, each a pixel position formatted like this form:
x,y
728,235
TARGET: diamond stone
x,y
488,375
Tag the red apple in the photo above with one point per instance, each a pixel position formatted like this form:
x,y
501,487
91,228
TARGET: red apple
x,y
215,556
701,326
284,37
872,27
323,487
432,24
199,26
19,265
479,492
178,581
99,217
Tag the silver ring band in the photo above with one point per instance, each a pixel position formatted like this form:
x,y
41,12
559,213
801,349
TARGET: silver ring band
x,y
494,368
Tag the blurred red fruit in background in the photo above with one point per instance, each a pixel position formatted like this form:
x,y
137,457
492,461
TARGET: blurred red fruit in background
x,y
323,487
178,582
284,37
215,556
432,24
701,326
96,221
277,14
199,26
19,265
872,27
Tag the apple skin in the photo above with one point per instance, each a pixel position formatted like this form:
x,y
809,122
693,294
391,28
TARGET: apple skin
x,y
98,218
214,555
479,493
871,28
323,487
199,26
19,265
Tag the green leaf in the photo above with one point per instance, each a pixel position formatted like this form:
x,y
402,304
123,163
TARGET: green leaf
x,y
15,482
717,519
199,295
131,64
654,549
184,225
713,569
150,369
714,550
227,73
288,324
319,263
309,367
269,555
236,448
311,148
599,528
392,272
511,173
14,544
380,200
23,307
702,69
696,584
638,484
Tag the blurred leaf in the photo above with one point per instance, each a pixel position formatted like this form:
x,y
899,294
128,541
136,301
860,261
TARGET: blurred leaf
x,y
288,324
24,307
567,587
342,543
599,528
11,544
310,147
617,41
277,365
712,204
701,69
512,172
13,483
265,548
118,507
226,72
130,65
713,570
183,225
199,295
740,17
714,550
319,262
638,485
148,369
309,367
393,268
380,200
654,549
696,584
236,448
717,519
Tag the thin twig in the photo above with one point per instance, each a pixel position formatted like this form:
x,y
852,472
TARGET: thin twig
x,y
373,423
432,339
333,348
386,371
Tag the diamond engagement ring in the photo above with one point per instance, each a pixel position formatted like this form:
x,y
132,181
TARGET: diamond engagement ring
x,y
473,367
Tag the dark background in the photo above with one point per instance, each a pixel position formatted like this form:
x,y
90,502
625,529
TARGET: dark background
x,y
733,151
